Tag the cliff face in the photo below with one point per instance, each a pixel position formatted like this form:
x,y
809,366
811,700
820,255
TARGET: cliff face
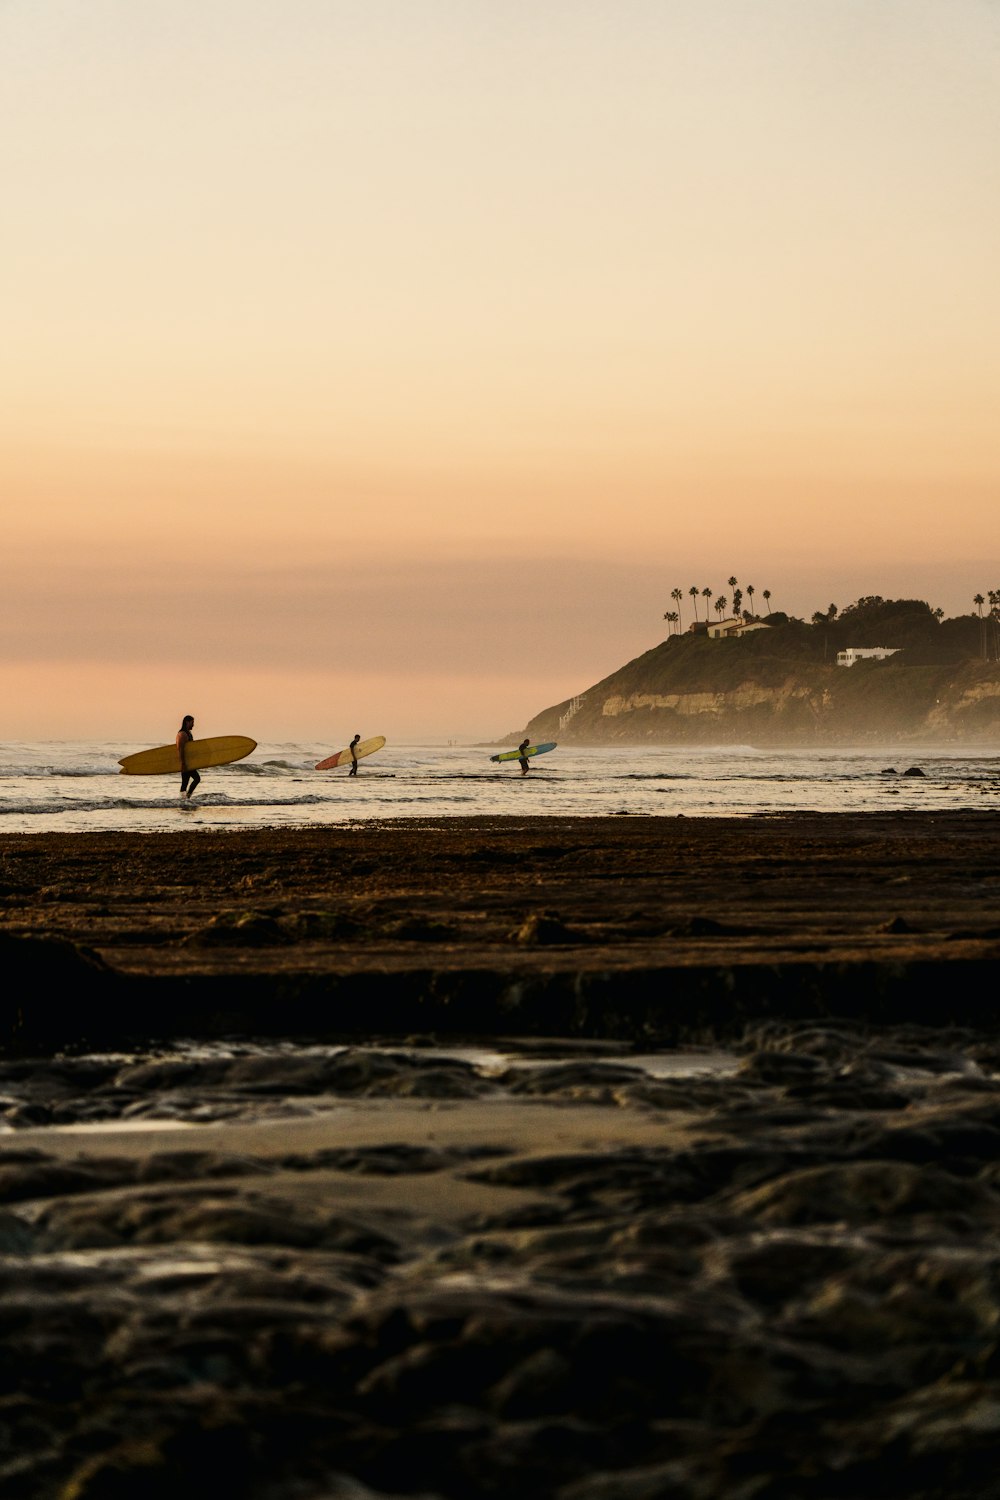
x,y
696,691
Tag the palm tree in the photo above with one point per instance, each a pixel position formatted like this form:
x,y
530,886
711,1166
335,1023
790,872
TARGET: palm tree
x,y
720,606
678,598
706,594
737,601
733,582
750,593
693,591
979,601
767,599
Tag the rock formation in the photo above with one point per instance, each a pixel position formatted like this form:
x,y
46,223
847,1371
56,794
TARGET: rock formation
x,y
767,689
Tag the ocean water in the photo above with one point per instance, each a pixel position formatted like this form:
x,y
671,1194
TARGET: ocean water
x,y
76,786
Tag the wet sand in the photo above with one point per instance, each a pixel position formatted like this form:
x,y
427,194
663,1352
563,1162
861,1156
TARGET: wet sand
x,y
354,1167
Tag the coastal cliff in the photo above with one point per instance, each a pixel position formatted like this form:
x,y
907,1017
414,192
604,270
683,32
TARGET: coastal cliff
x,y
783,686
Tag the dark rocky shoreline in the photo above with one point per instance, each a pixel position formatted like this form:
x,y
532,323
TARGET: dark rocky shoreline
x,y
464,1261
655,927
377,1272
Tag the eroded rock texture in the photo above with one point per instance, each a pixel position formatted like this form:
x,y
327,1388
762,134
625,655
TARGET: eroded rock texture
x,y
572,1274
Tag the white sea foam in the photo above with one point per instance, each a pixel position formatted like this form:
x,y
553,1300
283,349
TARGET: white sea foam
x,y
72,786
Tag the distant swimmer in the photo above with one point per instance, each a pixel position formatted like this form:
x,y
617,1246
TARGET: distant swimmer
x,y
353,747
184,738
522,759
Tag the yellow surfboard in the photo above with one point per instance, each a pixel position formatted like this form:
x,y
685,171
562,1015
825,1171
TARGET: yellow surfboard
x,y
165,759
343,757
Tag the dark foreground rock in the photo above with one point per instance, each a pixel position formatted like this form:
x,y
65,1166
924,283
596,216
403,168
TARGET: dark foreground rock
x,y
568,1273
365,1165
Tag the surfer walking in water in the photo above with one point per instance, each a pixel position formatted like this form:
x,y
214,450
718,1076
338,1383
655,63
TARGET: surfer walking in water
x,y
184,738
522,759
354,755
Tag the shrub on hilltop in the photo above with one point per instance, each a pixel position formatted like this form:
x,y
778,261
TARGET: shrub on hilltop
x,y
908,625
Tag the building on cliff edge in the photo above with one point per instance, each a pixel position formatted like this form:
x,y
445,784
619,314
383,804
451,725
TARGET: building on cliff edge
x,y
864,653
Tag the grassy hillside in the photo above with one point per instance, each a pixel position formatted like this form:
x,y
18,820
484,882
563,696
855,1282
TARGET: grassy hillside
x,y
782,685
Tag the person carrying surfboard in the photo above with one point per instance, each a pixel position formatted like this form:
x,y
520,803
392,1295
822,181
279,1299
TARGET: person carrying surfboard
x,y
522,759
354,757
184,738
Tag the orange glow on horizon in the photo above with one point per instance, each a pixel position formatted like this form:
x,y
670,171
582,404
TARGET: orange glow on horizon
x,y
479,330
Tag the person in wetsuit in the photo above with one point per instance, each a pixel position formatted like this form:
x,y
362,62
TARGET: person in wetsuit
x,y
522,759
189,778
354,759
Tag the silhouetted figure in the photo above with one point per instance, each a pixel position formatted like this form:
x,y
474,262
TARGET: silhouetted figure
x,y
189,779
354,756
522,759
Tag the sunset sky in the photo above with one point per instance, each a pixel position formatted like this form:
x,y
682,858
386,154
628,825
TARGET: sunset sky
x,y
382,365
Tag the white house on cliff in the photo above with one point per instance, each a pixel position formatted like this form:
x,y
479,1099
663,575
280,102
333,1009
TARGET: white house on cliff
x,y
864,653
